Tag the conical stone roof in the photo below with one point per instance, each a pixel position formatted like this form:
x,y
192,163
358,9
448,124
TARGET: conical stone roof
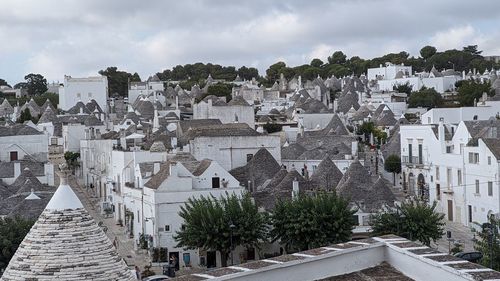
x,y
48,116
326,176
378,196
355,183
46,104
66,244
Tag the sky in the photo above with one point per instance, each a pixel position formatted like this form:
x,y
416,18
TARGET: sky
x,y
78,38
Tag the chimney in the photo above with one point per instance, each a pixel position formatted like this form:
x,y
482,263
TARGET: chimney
x,y
295,189
156,168
173,142
17,169
173,169
354,148
441,135
176,102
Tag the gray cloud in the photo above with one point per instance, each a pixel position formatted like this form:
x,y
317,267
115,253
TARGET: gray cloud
x,y
80,37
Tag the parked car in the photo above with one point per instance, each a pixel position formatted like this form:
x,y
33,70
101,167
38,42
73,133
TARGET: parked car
x,y
470,256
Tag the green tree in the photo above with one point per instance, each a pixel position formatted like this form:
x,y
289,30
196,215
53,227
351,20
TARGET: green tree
x,y
470,90
209,222
12,233
248,73
403,88
393,165
365,129
312,221
71,158
316,63
488,243
4,83
118,80
36,84
337,57
26,116
472,49
426,97
414,220
272,127
220,90
274,70
427,52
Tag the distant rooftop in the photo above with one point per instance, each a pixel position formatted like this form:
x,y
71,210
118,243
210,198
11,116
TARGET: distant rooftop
x,y
387,257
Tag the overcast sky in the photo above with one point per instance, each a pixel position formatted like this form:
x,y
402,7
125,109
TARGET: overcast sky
x,y
78,38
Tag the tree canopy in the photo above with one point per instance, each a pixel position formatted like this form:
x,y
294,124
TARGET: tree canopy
x,y
470,90
488,243
393,165
312,221
414,220
35,84
118,80
26,116
426,97
220,90
427,52
4,83
209,223
403,88
12,233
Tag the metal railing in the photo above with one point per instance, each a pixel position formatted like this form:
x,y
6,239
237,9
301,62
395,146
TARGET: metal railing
x,y
412,160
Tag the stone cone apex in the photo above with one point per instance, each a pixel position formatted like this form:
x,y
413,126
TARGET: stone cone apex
x,y
66,244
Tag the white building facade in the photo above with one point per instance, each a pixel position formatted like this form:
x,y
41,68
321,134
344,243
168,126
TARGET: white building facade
x,y
85,90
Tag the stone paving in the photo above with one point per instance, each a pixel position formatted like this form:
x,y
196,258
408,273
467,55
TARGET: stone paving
x,y
125,244
460,233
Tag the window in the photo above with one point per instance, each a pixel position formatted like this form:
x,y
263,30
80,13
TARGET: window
x,y
167,228
137,215
438,191
473,158
215,182
437,173
459,177
13,156
420,153
490,188
449,149
489,160
410,153
477,186
249,157
474,118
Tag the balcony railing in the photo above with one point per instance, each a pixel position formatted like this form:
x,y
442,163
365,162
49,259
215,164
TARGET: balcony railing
x,y
415,160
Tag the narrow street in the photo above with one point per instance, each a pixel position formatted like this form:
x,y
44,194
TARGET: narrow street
x,y
125,245
459,233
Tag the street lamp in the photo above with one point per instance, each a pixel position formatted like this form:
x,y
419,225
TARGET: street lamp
x,y
231,227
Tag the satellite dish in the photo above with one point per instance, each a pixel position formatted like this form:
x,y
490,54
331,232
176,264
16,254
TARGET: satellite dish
x,y
171,127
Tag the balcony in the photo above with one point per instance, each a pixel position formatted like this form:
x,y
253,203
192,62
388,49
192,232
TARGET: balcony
x,y
412,161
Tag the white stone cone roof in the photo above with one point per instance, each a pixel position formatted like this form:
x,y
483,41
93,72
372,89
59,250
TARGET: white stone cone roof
x,y
66,244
